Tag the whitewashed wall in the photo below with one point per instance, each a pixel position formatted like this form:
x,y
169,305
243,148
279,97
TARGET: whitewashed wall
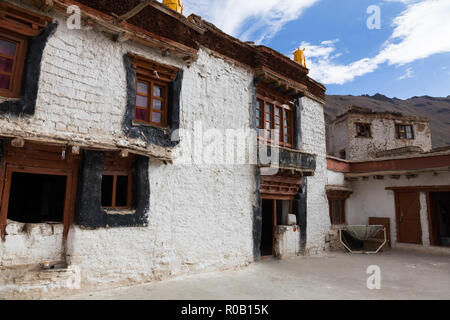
x,y
200,216
342,135
336,178
313,133
371,199
82,89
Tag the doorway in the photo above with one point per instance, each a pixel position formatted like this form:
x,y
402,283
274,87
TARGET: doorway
x,y
274,213
439,203
409,229
268,223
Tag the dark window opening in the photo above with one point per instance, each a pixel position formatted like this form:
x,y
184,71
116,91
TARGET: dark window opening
x,y
107,191
122,191
404,131
36,198
115,191
116,182
363,130
343,154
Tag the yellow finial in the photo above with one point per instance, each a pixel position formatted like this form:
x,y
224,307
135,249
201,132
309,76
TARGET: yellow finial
x,y
299,57
175,5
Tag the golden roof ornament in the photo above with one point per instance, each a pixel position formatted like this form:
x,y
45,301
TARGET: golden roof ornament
x,y
175,5
299,57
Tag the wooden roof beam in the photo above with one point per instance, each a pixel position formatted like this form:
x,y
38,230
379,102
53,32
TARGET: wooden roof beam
x,y
130,14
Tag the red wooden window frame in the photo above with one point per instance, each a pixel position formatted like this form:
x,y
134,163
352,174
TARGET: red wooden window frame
x,y
38,159
151,98
119,167
16,26
153,74
402,133
15,82
363,130
271,114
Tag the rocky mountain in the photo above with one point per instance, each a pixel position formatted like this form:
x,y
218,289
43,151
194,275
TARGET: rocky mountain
x,y
437,110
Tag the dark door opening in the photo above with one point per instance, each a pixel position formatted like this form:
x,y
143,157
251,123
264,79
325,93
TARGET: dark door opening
x,y
440,218
274,213
267,227
37,198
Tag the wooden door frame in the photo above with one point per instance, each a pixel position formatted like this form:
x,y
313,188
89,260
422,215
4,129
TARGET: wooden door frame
x,y
397,213
69,169
427,190
274,200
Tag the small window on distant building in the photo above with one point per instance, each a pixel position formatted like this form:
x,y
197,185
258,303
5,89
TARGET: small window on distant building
x,y
404,131
342,154
116,183
363,130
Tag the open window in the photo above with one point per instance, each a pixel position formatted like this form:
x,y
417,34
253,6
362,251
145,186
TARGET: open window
x,y
37,198
37,185
117,183
17,25
275,112
152,91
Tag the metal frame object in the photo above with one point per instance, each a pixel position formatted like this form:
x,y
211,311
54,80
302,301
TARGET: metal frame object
x,y
362,251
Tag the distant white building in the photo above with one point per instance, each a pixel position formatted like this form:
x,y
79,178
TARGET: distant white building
x,y
361,134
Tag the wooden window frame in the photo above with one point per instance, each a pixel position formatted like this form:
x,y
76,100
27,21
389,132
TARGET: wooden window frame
x,y
342,215
265,100
17,25
367,127
341,196
39,159
15,84
153,73
119,167
400,129
150,97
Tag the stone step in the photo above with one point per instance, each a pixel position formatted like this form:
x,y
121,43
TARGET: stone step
x,y
31,281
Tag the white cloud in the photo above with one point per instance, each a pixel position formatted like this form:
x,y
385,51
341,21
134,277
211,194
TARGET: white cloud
x,y
420,31
255,20
409,74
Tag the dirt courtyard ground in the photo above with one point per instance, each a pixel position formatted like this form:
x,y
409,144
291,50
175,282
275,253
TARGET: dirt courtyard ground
x,y
404,275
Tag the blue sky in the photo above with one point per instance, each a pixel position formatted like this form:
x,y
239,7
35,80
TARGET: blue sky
x,y
408,56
